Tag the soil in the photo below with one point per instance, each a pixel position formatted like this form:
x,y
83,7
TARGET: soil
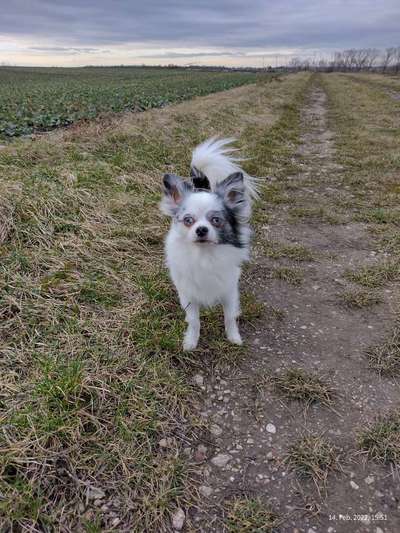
x,y
251,423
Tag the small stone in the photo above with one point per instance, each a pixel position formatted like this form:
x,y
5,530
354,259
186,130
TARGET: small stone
x,y
166,443
311,530
271,428
200,454
331,529
354,485
369,479
94,493
198,379
178,519
379,530
270,456
205,491
221,460
115,522
215,430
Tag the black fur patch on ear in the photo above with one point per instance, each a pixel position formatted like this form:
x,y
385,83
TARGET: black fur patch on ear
x,y
232,190
234,237
199,180
175,189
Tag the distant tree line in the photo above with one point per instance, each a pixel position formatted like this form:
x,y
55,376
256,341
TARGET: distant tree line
x,y
353,59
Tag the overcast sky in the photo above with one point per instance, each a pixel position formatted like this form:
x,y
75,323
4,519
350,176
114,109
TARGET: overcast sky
x,y
233,32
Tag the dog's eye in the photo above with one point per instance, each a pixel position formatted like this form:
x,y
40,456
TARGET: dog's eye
x,y
188,220
216,221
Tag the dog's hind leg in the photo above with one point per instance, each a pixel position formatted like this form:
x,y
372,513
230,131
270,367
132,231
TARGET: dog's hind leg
x,y
193,330
231,312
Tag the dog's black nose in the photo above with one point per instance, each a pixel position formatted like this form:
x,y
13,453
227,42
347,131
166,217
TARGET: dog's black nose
x,y
201,231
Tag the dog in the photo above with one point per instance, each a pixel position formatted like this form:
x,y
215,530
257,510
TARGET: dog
x,y
209,237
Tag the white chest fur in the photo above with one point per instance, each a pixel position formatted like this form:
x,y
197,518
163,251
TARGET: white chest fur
x,y
203,273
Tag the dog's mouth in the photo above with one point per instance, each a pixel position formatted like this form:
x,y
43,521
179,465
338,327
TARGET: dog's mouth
x,y
203,240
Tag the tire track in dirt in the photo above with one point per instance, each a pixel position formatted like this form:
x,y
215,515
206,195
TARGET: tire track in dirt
x,y
251,426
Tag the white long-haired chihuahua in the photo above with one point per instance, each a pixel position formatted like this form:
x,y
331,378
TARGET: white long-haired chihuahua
x,y
209,236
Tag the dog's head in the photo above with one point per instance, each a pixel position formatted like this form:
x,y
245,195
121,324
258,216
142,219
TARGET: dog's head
x,y
205,217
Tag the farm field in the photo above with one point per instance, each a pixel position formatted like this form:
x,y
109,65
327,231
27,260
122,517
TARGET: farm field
x,y
106,425
40,99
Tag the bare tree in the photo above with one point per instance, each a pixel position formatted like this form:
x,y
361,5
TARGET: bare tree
x,y
352,59
397,59
295,63
372,56
388,55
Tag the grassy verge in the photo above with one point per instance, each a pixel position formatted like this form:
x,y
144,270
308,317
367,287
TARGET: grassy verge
x,y
366,122
93,375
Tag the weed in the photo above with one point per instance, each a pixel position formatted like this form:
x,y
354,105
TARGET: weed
x,y
359,298
375,275
381,439
249,515
312,456
296,384
291,275
385,357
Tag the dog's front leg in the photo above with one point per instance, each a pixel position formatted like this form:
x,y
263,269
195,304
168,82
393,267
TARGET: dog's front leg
x,y
231,312
193,330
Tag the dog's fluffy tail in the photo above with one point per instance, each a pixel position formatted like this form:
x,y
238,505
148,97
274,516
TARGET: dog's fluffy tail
x,y
214,158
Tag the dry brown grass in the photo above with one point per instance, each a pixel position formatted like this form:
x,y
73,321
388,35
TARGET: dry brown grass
x,y
297,384
313,457
92,374
385,357
381,439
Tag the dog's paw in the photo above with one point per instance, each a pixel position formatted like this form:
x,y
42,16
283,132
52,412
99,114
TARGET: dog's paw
x,y
235,338
189,345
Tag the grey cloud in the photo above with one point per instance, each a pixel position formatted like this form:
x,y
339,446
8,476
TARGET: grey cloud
x,y
232,24
67,50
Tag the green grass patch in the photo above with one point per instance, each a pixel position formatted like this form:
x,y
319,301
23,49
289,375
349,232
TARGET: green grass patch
x,y
295,252
297,384
359,298
379,215
375,275
291,275
313,214
250,515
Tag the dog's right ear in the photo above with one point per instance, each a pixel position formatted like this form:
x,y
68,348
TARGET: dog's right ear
x,y
175,189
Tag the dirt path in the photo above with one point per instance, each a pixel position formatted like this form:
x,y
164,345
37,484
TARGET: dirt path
x,y
252,427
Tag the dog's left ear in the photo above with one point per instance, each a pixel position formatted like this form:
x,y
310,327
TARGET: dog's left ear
x,y
175,189
232,191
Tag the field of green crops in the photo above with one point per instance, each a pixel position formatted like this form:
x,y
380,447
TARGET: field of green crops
x,y
39,99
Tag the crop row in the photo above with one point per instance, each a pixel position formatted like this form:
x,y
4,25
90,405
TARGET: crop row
x,y
43,99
